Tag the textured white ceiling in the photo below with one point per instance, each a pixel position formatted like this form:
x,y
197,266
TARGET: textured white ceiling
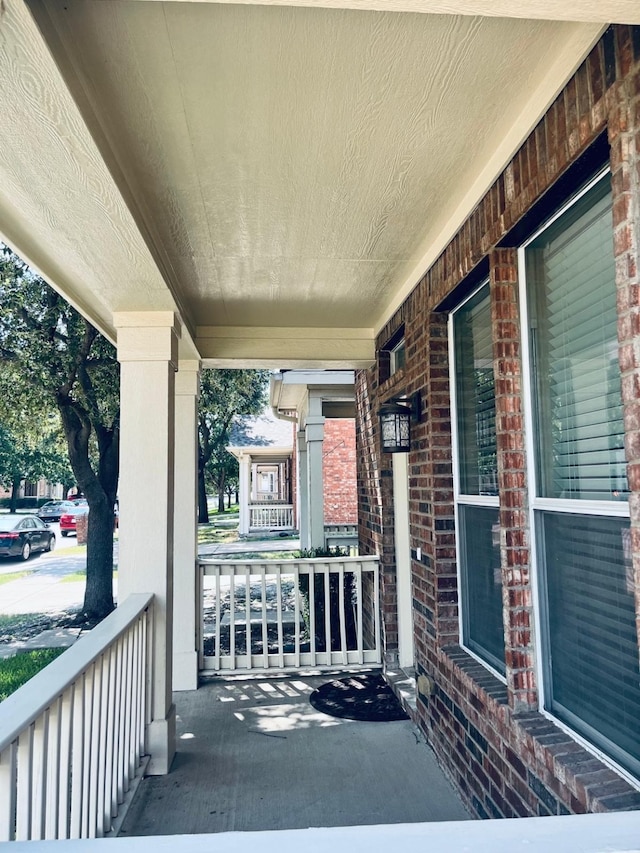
x,y
287,168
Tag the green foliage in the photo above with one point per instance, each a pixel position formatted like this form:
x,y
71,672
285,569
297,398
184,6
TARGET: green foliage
x,y
223,395
312,553
15,671
56,369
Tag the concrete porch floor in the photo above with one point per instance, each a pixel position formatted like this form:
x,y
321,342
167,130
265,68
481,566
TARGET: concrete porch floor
x,y
253,754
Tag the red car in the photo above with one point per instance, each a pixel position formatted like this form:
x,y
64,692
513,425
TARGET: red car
x,y
68,519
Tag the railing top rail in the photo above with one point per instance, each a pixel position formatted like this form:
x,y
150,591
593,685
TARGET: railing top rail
x,y
25,705
590,833
300,562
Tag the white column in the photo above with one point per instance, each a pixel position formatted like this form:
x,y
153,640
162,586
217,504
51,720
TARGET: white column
x,y
314,430
244,477
403,558
303,491
187,613
148,353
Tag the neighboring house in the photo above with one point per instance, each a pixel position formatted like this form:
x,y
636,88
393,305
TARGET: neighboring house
x,y
270,468
39,489
263,446
322,402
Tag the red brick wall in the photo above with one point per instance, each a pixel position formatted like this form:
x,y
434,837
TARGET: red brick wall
x,y
339,471
505,758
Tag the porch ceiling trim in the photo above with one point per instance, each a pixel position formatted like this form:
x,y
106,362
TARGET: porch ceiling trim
x,y
597,11
225,346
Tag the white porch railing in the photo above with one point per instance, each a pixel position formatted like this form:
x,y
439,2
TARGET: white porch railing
x,y
590,833
72,738
270,517
290,614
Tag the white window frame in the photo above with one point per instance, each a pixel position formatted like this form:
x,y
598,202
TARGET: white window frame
x,y
609,509
459,498
393,356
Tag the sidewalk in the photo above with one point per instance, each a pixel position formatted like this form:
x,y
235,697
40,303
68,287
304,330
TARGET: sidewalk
x,y
250,546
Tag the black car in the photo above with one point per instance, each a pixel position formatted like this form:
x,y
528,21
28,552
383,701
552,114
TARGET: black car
x,y
52,510
22,535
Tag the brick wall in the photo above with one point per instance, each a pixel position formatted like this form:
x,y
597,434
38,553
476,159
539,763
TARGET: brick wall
x,y
505,758
339,471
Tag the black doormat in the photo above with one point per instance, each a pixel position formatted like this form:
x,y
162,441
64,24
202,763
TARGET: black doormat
x,y
360,697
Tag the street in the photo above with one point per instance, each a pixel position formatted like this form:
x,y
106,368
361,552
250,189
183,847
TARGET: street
x,y
44,589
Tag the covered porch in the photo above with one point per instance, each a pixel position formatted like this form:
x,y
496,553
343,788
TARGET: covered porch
x,y
255,755
244,185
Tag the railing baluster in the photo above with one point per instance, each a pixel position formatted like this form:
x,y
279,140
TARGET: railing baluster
x,y
52,784
247,607
296,600
118,774
312,615
24,786
39,780
265,627
133,734
105,674
96,724
8,777
89,694
218,617
64,773
232,621
343,620
138,716
110,726
126,691
279,615
360,626
77,758
327,613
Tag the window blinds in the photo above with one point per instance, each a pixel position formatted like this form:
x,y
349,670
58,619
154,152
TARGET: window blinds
x,y
571,285
595,677
475,397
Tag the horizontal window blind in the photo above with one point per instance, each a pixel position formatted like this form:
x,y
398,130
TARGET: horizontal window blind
x,y
594,671
572,305
475,397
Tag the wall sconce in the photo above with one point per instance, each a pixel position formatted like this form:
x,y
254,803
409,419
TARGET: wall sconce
x,y
395,422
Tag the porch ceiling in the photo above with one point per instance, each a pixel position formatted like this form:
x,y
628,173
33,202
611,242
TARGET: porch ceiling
x,y
281,175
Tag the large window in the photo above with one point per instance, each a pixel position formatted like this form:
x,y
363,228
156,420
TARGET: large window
x,y
580,521
574,354
476,482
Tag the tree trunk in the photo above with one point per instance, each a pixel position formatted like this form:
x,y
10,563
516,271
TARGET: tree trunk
x,y
203,511
100,491
220,485
15,487
98,595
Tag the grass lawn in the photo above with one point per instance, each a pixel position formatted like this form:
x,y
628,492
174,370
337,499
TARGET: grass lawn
x,y
14,576
81,576
23,666
209,534
69,550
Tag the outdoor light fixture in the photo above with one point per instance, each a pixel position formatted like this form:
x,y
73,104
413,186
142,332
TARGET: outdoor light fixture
x,y
395,422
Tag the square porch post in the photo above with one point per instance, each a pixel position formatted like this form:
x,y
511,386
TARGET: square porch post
x,y
148,354
303,491
245,493
186,587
